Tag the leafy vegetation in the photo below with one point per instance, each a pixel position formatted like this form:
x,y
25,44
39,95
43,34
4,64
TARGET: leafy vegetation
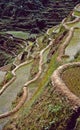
x,y
8,76
76,13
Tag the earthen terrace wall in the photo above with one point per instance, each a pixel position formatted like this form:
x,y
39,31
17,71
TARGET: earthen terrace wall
x,y
60,86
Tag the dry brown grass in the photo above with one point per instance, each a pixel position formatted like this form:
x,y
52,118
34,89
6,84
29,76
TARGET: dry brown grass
x,y
71,78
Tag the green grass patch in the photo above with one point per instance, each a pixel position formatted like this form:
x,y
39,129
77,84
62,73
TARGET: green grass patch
x,y
77,59
77,13
40,41
8,76
77,24
40,83
48,112
19,34
54,29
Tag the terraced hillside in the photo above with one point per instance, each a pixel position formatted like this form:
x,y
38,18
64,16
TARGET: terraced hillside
x,y
10,47
27,19
33,16
44,83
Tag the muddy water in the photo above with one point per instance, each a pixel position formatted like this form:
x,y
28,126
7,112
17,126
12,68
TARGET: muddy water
x,y
74,46
72,51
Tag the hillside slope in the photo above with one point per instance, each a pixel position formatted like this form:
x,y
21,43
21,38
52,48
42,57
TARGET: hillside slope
x,y
35,15
53,101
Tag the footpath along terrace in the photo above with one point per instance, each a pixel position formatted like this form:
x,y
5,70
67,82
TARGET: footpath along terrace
x,y
58,78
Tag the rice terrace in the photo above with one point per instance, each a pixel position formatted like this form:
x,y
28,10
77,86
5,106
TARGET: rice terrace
x,y
40,72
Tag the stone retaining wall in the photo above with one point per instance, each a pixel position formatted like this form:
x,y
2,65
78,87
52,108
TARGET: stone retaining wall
x,y
60,86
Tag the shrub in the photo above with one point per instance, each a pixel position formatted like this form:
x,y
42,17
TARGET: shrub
x,y
8,76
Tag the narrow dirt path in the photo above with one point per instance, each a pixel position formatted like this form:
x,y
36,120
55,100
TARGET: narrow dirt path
x,y
40,65
25,86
